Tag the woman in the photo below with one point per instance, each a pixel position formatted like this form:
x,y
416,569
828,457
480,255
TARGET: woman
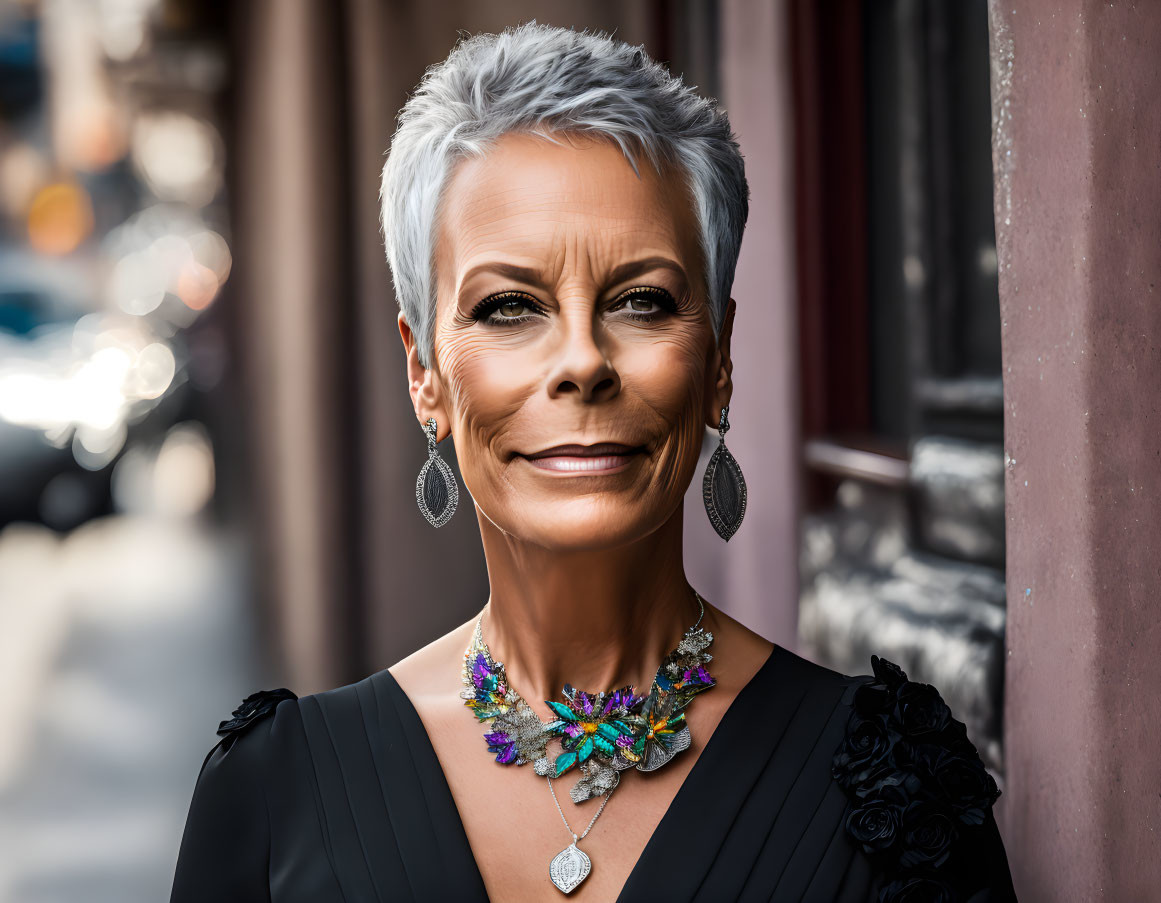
x,y
562,220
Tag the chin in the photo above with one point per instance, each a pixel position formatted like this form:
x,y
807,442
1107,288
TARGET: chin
x,y
583,525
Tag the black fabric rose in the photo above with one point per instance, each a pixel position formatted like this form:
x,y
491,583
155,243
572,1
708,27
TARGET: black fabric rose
x,y
918,889
875,826
915,783
921,710
255,706
966,785
873,699
927,833
865,747
888,672
892,783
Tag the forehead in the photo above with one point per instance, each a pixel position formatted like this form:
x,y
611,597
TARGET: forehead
x,y
536,202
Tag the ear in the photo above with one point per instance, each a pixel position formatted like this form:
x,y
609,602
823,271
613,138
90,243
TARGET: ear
x,y
424,384
720,381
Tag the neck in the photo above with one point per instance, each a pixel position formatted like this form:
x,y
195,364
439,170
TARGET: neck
x,y
596,619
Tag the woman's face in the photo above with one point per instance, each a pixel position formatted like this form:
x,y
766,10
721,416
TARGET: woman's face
x,y
570,312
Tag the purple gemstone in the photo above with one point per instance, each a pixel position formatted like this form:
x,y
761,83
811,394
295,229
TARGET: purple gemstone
x,y
624,740
573,729
479,670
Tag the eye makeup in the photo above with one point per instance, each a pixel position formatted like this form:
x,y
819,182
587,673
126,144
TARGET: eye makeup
x,y
486,309
652,293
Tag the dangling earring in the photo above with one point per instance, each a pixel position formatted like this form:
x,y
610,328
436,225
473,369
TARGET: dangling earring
x,y
436,490
724,488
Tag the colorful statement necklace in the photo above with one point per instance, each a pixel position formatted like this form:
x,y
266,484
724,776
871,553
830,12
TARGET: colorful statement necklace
x,y
601,734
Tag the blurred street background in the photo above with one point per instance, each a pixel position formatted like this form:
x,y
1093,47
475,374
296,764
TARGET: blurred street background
x,y
124,623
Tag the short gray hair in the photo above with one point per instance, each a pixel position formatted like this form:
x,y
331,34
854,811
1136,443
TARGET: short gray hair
x,y
536,78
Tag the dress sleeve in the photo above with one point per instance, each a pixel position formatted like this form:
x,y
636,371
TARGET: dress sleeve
x,y
986,853
920,798
225,849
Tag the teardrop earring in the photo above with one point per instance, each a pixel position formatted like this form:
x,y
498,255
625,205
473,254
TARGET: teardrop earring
x,y
436,490
724,488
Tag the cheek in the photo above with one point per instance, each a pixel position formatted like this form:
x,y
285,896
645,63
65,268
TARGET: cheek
x,y
485,389
669,379
669,376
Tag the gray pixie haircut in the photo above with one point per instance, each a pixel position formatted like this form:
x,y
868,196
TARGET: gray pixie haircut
x,y
540,79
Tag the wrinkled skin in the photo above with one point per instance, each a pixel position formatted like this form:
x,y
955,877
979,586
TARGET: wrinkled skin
x,y
578,365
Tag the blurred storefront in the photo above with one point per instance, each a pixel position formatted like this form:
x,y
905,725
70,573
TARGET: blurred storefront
x,y
902,546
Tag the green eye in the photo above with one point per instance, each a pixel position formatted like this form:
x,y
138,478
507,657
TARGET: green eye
x,y
645,303
506,309
511,308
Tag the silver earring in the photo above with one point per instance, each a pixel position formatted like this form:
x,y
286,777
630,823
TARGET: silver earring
x,y
724,488
436,490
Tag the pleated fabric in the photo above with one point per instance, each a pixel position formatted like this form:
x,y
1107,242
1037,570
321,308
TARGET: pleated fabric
x,y
339,796
760,799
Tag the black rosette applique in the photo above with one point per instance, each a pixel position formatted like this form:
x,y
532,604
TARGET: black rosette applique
x,y
253,708
915,783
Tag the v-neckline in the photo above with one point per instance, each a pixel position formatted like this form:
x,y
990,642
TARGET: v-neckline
x,y
734,714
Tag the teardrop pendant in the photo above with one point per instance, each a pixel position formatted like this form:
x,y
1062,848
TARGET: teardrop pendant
x,y
436,490
724,487
569,868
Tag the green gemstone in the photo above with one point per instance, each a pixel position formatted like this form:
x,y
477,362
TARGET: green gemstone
x,y
604,747
562,710
564,762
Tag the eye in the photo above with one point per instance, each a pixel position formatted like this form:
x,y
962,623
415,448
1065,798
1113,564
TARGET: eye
x,y
506,309
645,303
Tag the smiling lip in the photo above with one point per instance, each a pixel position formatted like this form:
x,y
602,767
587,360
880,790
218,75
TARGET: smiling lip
x,y
604,457
586,451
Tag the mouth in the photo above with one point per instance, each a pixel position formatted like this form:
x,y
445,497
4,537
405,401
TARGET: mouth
x,y
601,458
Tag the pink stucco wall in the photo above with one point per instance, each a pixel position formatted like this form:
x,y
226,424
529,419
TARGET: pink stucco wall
x,y
1077,145
755,576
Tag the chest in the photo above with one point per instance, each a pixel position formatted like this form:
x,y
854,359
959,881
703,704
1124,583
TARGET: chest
x,y
515,829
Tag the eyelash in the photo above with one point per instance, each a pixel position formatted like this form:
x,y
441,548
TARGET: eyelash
x,y
492,303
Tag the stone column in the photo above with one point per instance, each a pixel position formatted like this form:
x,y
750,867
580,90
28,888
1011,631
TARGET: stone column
x,y
1077,152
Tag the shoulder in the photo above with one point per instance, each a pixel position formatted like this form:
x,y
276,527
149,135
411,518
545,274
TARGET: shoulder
x,y
827,686
253,709
233,766
919,796
227,832
249,726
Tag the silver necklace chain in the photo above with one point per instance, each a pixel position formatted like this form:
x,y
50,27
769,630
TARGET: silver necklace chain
x,y
551,790
570,867
575,839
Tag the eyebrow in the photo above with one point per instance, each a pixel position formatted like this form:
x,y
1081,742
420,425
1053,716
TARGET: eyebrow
x,y
619,274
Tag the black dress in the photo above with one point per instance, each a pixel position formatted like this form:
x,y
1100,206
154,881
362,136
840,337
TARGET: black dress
x,y
814,786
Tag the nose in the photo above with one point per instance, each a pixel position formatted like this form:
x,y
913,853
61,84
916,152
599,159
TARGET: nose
x,y
582,366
